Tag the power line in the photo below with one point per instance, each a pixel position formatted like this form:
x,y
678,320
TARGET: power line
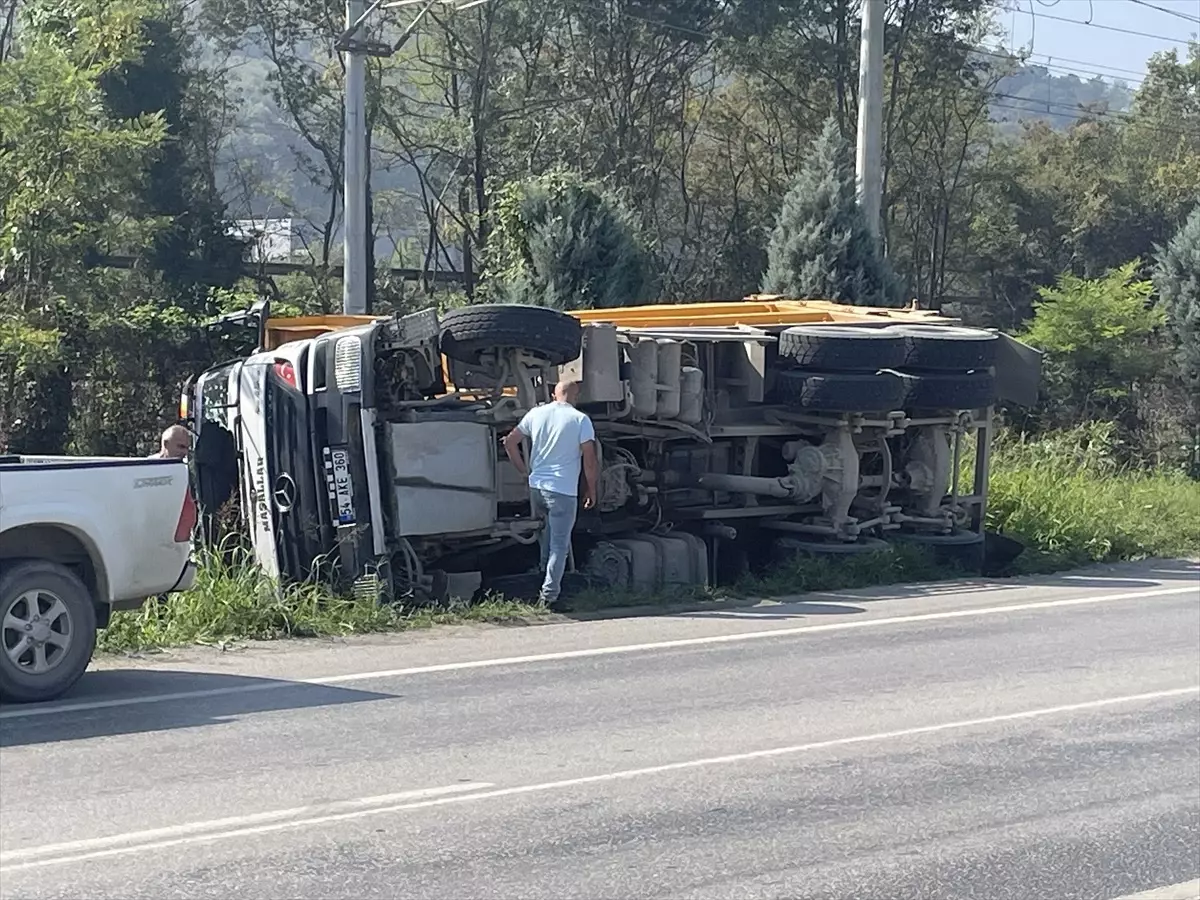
x,y
1007,55
1074,113
1050,63
1083,62
1130,31
1169,12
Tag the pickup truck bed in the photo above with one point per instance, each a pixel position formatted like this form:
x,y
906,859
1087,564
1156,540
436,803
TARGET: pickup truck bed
x,y
79,538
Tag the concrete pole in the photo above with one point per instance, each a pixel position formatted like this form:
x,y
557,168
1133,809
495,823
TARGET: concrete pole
x,y
354,229
869,161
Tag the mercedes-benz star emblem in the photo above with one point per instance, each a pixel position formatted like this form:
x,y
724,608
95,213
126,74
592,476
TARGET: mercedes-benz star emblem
x,y
285,493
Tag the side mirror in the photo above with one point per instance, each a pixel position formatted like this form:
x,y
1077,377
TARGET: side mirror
x,y
259,314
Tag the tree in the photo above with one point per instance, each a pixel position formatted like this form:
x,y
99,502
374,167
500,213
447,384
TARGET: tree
x,y
821,246
566,243
1177,278
194,250
1099,339
69,176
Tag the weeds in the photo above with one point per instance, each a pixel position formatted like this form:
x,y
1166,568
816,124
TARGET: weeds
x,y
234,600
1069,501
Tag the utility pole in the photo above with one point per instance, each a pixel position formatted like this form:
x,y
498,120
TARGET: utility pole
x,y
354,169
869,160
356,173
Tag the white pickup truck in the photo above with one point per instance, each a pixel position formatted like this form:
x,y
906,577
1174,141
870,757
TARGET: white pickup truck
x,y
79,538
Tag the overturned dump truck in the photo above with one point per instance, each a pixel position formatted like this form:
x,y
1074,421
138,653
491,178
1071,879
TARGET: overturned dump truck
x,y
368,450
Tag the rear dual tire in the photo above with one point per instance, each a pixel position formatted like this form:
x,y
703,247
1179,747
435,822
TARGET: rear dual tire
x,y
884,391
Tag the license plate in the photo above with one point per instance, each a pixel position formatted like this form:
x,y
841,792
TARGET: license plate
x,y
343,490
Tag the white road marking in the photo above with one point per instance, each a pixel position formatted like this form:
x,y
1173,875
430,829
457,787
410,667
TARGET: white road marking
x,y
245,826
1185,890
219,826
740,637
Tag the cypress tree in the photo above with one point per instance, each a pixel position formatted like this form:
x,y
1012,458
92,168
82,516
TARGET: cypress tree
x,y
821,247
1177,278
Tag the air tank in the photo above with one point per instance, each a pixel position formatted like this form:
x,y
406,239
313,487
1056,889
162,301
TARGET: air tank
x,y
670,364
691,396
643,378
601,365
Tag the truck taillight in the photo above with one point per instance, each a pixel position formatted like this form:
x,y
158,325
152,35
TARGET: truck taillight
x,y
187,518
287,373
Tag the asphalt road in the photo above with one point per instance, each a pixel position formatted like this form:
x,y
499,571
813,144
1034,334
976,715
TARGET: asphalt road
x,y
1024,740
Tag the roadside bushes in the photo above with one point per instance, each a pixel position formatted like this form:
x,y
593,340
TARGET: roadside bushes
x,y
1070,500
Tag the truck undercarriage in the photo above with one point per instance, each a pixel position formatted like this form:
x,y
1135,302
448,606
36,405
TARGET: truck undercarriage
x,y
728,434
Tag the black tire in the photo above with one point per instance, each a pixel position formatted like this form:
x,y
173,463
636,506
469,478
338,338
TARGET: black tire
x,y
957,390
76,620
844,348
944,348
840,391
961,548
471,331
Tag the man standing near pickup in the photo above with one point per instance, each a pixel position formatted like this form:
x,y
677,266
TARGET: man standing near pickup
x,y
560,437
175,443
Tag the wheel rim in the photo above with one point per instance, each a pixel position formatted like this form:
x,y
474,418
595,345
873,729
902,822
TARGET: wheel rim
x,y
36,631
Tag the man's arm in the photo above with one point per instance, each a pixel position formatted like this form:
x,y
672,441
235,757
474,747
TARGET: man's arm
x,y
512,447
591,473
591,462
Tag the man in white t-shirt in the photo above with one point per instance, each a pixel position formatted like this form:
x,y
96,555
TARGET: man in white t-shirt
x,y
560,439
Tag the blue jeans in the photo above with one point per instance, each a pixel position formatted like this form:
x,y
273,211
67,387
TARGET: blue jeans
x,y
558,512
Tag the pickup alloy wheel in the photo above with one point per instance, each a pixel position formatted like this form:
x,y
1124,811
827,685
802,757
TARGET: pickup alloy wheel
x,y
47,631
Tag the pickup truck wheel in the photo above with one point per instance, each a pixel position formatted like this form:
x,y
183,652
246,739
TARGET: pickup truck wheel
x,y
47,631
840,391
470,332
946,348
843,347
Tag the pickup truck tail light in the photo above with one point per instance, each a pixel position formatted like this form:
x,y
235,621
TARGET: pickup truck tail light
x,y
187,518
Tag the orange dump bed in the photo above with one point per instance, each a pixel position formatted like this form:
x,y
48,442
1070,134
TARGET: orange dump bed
x,y
759,310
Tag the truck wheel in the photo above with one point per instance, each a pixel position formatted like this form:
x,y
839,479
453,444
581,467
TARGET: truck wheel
x,y
947,348
843,347
472,331
959,390
47,631
959,547
840,391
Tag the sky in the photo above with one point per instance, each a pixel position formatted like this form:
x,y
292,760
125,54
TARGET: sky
x,y
1074,46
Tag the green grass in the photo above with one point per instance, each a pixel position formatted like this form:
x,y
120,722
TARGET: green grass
x,y
236,602
1068,500
1063,496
